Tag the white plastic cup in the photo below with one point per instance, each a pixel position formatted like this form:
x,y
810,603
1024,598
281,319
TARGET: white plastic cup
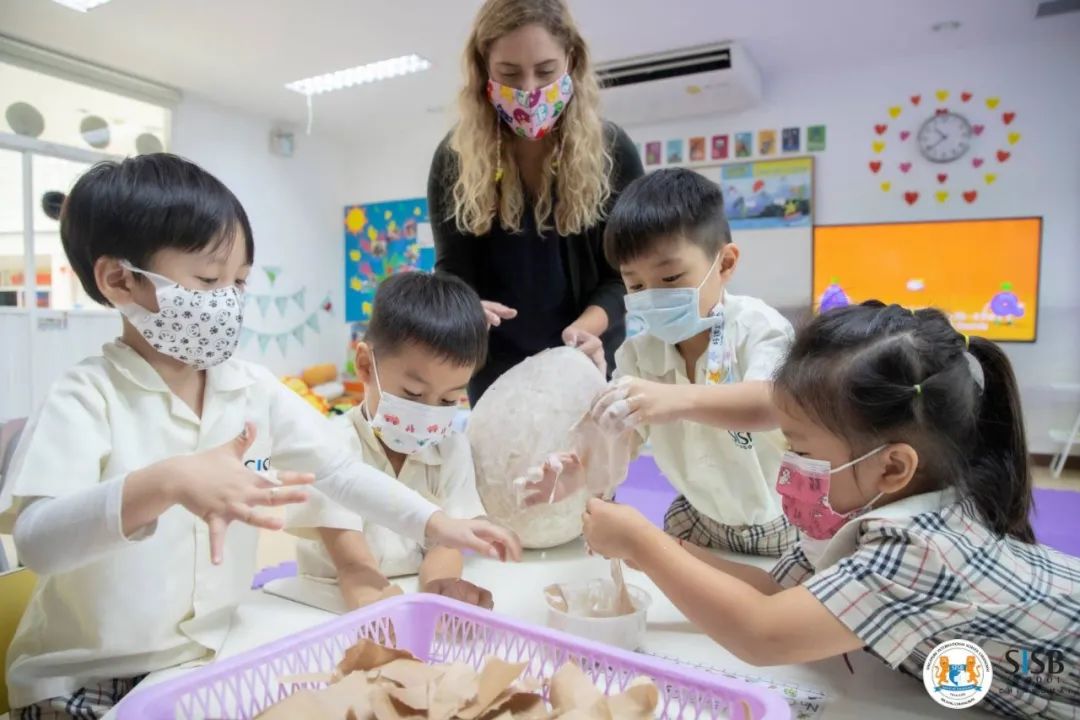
x,y
623,631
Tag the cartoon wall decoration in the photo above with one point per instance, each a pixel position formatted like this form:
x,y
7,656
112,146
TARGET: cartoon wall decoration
x,y
296,327
944,147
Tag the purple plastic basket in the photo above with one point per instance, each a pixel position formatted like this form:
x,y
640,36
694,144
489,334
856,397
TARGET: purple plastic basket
x,y
436,629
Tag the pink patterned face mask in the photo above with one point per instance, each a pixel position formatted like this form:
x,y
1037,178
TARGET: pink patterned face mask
x,y
531,114
803,485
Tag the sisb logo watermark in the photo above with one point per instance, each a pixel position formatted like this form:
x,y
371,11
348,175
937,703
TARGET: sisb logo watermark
x,y
957,674
1045,667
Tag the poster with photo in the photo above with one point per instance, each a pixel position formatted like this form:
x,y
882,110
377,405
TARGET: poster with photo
x,y
766,142
766,194
652,153
674,151
815,138
789,139
719,147
744,144
697,149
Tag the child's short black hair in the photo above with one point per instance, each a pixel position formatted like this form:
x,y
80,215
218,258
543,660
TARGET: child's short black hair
x,y
133,208
656,208
435,310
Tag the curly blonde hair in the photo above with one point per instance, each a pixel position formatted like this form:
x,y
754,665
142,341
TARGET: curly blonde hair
x,y
577,171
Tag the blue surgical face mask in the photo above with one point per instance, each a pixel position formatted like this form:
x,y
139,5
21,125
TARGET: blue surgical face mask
x,y
670,314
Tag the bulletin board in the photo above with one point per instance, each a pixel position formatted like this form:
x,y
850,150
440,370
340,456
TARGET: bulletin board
x,y
770,207
382,239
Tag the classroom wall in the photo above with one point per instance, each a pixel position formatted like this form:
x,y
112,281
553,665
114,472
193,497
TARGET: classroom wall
x,y
1043,178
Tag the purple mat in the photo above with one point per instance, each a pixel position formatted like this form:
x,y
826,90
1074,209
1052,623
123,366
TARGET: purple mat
x,y
1054,517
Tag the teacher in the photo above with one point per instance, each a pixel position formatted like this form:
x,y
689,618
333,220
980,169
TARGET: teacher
x,y
519,190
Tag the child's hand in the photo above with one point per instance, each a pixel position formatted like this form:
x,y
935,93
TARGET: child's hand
x,y
587,343
215,486
461,590
629,402
361,586
558,478
614,531
479,535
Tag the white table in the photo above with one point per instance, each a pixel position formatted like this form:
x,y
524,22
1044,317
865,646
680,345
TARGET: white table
x,y
873,691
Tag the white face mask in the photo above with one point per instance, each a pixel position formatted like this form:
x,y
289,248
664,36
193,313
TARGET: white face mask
x,y
407,426
200,328
670,314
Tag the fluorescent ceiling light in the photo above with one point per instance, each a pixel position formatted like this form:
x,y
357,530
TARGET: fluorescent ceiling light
x,y
360,75
81,5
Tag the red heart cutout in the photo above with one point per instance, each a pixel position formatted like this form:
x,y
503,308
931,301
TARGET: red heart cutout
x,y
965,96
976,162
904,167
942,177
915,99
758,185
970,195
880,129
1008,117
911,197
874,166
1003,155
941,111
904,134
977,129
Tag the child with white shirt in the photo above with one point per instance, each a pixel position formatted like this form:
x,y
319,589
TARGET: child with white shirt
x,y
130,494
695,382
426,337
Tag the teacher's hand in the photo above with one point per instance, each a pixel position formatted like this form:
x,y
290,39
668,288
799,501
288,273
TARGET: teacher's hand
x,y
587,343
497,312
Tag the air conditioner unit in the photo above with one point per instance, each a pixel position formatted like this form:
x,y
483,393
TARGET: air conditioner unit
x,y
703,80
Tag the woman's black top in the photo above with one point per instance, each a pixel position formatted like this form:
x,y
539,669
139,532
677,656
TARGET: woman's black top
x,y
548,278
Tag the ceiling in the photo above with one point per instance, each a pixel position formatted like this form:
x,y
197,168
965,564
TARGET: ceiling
x,y
240,53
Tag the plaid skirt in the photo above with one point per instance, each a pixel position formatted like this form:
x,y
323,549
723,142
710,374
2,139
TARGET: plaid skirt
x,y
88,703
773,538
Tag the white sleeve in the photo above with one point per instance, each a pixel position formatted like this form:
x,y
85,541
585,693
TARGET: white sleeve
x,y
457,481
768,339
55,535
304,441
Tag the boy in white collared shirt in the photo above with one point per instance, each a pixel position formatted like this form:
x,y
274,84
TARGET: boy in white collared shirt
x,y
695,382
128,494
426,337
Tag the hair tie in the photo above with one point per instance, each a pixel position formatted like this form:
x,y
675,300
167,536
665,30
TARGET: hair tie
x,y
967,341
918,390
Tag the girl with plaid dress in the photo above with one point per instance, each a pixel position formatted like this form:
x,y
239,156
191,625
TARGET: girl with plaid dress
x,y
908,479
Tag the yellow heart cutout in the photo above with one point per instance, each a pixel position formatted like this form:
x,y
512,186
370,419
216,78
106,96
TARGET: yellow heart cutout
x,y
992,102
886,186
941,195
1014,138
878,146
990,178
942,95
894,111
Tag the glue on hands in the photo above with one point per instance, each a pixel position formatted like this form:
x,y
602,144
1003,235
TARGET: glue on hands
x,y
558,477
615,531
630,402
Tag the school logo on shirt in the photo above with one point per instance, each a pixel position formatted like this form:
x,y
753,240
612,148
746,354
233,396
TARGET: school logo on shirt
x,y
957,674
742,440
258,464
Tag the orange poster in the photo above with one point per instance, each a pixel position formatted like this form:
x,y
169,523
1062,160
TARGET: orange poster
x,y
983,273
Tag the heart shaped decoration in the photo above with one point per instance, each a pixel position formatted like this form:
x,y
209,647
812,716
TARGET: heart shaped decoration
x,y
942,95
880,129
942,195
976,162
911,197
1008,117
875,165
990,178
886,186
977,129
942,177
965,96
970,196
878,146
905,166
992,102
904,134
1003,155
894,111
1014,137
916,99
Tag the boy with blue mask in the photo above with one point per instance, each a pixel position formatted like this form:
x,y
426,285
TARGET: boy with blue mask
x,y
694,380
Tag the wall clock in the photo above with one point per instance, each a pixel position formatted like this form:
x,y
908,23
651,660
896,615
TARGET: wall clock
x,y
944,147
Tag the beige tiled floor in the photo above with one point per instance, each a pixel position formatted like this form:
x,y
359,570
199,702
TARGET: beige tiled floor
x,y
279,547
